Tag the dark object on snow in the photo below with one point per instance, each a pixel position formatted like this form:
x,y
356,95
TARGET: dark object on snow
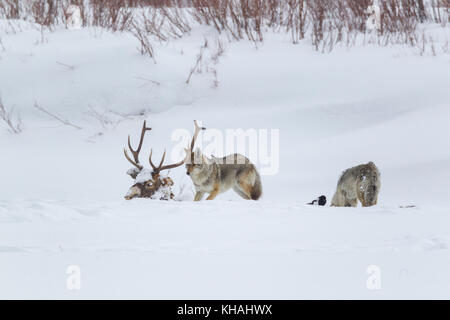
x,y
320,201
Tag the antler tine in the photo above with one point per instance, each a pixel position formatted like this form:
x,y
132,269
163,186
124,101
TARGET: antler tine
x,y
136,152
151,162
162,160
196,133
171,166
161,167
136,164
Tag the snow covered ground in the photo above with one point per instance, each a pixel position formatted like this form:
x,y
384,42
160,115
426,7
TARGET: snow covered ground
x,y
62,188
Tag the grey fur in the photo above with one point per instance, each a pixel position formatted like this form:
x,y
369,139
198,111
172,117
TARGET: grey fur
x,y
358,183
218,175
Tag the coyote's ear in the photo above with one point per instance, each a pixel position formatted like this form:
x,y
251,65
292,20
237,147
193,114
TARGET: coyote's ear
x,y
214,159
207,160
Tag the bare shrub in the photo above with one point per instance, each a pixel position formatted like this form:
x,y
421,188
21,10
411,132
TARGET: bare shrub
x,y
198,60
45,12
241,19
399,20
67,66
2,46
84,10
141,34
326,22
10,118
106,118
445,47
296,19
206,61
55,117
215,60
10,9
439,11
317,9
151,23
219,51
113,14
178,23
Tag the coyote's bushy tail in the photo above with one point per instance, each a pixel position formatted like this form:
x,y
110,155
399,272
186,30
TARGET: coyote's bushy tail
x,y
256,191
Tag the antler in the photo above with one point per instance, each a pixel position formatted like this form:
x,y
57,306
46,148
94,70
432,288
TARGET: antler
x,y
196,133
161,167
135,153
194,138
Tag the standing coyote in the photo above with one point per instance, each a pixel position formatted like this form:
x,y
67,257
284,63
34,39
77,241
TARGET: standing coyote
x,y
217,175
358,183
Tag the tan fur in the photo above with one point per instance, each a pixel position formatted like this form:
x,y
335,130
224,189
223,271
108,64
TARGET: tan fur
x,y
358,183
218,175
245,186
214,193
198,196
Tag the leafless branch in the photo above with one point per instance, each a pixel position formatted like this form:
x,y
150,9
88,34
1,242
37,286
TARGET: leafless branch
x,y
2,45
197,61
104,118
66,65
15,126
150,80
63,121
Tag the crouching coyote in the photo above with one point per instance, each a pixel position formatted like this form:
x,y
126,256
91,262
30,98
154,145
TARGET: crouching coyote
x,y
358,183
217,175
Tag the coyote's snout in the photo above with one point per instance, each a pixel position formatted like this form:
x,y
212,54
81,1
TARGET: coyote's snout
x,y
358,183
217,175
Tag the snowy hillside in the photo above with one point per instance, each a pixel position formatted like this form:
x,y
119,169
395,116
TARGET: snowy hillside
x,y
62,186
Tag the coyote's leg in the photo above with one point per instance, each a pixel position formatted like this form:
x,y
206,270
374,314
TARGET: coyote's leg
x,y
238,190
363,202
244,185
246,188
214,193
335,202
361,197
368,199
348,199
350,202
353,202
198,196
340,199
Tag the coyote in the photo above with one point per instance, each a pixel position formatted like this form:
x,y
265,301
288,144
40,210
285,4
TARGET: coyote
x,y
217,175
358,183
